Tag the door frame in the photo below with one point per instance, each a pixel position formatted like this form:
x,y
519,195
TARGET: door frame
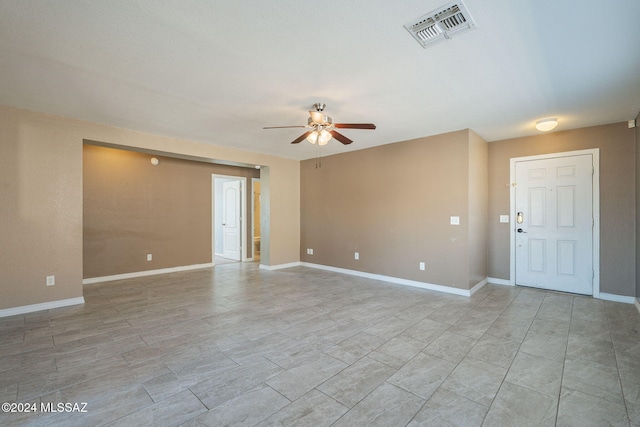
x,y
243,214
595,153
253,220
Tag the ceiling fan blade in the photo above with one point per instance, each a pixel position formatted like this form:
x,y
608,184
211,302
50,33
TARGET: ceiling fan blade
x,y
301,137
282,127
355,125
340,137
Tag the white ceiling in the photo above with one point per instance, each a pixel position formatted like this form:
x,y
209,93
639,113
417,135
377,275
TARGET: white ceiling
x,y
218,71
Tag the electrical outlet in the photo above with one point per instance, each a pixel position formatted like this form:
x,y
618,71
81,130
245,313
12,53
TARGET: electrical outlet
x,y
422,266
149,257
309,251
455,220
51,280
356,255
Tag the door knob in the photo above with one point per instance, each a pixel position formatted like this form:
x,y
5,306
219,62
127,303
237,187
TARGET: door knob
x,y
520,230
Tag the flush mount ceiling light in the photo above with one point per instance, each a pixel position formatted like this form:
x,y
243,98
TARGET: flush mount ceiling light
x,y
545,125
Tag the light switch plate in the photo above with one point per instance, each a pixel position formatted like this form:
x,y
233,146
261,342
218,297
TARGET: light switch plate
x,y
504,218
455,220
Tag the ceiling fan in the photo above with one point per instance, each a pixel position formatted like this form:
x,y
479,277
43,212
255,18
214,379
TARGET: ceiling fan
x,y
323,129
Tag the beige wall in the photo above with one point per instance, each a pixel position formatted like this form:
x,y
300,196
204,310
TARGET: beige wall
x,y
41,200
393,204
617,197
478,208
40,209
133,208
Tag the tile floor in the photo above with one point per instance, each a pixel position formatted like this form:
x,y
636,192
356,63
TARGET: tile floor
x,y
239,346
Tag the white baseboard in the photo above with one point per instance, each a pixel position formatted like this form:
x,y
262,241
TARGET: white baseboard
x,y
481,284
502,282
14,311
280,266
397,280
617,298
390,279
145,273
601,295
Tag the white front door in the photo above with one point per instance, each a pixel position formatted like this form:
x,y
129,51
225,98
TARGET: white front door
x,y
553,222
231,223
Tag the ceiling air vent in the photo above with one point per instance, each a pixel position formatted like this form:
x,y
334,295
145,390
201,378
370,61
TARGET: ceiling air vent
x,y
443,23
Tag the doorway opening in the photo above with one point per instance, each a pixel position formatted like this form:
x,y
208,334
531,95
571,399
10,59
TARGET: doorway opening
x,y
229,211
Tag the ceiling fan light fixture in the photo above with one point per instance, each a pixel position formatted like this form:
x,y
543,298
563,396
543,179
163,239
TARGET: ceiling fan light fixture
x,y
325,137
321,137
545,125
313,137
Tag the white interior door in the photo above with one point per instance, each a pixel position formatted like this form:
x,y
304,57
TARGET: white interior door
x,y
554,223
231,222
